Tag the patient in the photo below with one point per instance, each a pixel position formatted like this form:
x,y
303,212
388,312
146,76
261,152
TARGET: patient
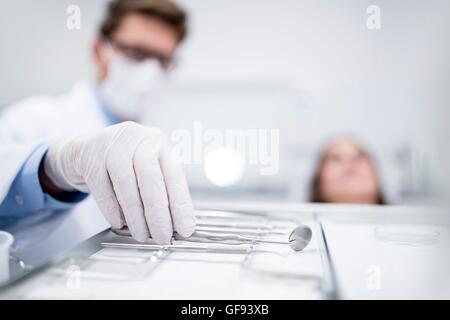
x,y
346,174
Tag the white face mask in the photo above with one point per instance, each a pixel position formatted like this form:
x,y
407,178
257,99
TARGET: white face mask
x,y
132,88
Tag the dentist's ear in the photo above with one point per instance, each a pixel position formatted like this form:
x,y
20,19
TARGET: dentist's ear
x,y
100,57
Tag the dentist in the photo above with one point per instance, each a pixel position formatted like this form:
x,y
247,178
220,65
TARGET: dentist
x,y
55,151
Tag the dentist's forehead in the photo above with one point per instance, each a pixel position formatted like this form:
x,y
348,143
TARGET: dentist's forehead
x,y
149,33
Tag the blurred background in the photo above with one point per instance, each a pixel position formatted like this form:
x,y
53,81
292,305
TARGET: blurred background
x,y
311,69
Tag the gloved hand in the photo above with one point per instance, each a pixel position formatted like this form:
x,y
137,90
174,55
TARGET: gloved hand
x,y
132,174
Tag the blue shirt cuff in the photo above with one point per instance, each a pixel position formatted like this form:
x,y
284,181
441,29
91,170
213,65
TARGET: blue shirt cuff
x,y
26,194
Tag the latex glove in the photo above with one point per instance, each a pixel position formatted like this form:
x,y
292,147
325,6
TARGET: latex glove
x,y
132,174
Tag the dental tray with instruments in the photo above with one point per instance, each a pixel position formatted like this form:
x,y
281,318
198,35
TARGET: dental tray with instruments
x,y
230,255
228,230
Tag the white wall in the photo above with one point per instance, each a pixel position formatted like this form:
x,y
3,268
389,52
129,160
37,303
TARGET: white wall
x,y
385,85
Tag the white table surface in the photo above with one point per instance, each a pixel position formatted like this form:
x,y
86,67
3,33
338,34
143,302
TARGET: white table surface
x,y
370,267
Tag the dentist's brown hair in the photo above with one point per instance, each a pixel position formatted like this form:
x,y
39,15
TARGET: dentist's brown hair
x,y
164,10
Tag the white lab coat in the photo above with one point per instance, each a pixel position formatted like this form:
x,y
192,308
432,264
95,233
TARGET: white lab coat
x,y
24,126
27,124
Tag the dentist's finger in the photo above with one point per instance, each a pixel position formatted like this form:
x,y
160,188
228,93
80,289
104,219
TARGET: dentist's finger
x,y
105,197
180,201
153,191
121,172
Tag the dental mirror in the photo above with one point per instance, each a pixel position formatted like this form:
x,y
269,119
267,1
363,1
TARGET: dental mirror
x,y
300,238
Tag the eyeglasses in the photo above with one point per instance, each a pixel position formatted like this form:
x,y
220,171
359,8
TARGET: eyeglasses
x,y
139,54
